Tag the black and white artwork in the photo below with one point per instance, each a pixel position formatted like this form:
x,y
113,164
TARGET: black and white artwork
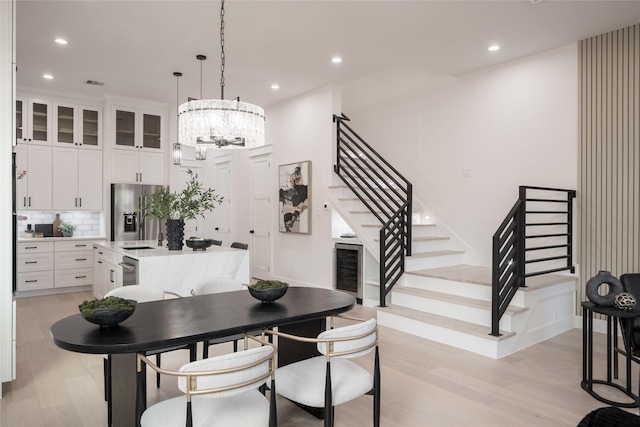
x,y
295,197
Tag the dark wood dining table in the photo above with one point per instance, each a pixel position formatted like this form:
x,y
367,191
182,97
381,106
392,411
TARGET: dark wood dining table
x,y
181,321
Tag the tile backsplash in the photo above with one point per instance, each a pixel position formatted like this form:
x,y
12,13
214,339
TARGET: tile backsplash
x,y
87,223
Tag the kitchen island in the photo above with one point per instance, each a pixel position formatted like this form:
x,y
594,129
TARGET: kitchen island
x,y
180,271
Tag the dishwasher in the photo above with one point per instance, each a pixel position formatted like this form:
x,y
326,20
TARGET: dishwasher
x,y
129,271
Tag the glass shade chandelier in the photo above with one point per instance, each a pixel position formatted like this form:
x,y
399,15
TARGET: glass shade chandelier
x,y
176,153
220,123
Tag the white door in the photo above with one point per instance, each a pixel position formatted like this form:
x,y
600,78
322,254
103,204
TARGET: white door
x,y
261,211
222,213
191,226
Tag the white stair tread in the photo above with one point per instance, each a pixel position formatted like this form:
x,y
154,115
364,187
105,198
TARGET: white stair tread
x,y
423,239
482,276
446,322
455,299
434,253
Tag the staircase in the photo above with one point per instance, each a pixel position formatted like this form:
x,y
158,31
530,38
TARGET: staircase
x,y
441,298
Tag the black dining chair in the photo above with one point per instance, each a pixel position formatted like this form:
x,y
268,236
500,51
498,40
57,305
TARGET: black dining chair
x,y
239,245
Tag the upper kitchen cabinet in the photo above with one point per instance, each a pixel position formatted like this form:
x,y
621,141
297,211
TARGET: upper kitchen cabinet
x,y
138,129
77,179
34,169
138,154
33,121
77,125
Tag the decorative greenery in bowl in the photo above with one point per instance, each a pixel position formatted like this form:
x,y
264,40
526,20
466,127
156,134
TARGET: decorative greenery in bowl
x,y
107,311
66,228
268,290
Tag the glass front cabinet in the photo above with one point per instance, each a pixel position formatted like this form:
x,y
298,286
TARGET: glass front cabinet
x,y
138,129
33,121
77,125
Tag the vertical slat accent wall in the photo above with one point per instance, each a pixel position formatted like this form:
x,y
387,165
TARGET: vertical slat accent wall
x,y
609,187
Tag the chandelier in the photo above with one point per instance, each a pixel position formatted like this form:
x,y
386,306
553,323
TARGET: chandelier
x,y
220,123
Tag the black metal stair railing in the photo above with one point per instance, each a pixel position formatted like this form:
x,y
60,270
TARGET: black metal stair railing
x,y
538,231
385,192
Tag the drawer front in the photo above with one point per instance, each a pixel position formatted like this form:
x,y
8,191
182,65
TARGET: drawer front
x,y
74,246
107,255
76,277
82,259
35,262
35,247
35,280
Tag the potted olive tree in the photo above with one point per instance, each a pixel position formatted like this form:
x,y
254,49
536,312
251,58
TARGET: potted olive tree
x,y
176,207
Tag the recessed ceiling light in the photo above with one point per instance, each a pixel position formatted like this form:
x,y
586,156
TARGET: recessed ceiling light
x,y
275,86
493,48
61,41
336,60
47,76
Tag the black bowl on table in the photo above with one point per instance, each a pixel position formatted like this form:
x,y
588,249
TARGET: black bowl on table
x,y
268,290
106,316
198,244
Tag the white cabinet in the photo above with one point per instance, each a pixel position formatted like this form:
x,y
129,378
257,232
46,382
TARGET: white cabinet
x,y
35,266
77,179
138,129
33,121
107,274
34,188
138,167
138,154
77,125
73,264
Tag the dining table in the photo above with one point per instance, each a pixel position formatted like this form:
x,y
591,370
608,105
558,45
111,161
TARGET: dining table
x,y
154,325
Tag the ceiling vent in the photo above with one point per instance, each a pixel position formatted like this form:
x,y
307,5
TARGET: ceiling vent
x,y
94,83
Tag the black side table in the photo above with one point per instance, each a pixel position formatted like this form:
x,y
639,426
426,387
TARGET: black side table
x,y
612,314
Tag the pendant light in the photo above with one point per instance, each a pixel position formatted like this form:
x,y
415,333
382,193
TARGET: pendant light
x,y
218,122
177,148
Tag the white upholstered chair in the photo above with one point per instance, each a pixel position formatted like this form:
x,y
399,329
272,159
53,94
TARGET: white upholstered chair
x,y
214,285
141,293
219,391
333,378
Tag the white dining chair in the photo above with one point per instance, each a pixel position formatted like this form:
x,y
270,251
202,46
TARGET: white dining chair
x,y
334,378
219,391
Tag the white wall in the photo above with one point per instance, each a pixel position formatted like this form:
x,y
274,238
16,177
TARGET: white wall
x,y
509,125
302,129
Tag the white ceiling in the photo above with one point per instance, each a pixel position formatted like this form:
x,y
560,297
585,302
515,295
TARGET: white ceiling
x,y
135,46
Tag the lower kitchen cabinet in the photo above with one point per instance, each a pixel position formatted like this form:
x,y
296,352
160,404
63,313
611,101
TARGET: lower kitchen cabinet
x,y
54,265
107,274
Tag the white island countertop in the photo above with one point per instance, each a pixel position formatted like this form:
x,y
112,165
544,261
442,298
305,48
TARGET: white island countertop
x,y
180,271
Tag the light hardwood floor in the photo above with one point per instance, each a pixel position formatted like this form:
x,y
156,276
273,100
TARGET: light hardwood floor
x,y
423,383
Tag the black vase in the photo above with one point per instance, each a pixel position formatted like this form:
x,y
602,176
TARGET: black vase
x,y
175,234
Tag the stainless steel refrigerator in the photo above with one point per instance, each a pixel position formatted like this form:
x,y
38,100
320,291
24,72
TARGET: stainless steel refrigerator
x,y
128,221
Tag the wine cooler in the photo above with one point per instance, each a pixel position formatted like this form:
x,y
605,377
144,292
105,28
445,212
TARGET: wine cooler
x,y
348,269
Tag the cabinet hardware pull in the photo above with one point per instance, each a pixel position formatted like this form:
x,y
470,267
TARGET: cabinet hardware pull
x,y
140,176
81,246
31,262
81,259
29,201
80,201
76,199
31,247
100,252
81,277
24,201
99,262
30,281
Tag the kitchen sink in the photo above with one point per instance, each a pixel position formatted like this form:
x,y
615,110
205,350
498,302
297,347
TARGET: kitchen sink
x,y
131,248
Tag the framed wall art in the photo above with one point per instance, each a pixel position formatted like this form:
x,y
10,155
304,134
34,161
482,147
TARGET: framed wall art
x,y
294,182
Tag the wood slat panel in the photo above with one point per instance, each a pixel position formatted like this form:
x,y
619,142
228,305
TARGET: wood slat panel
x,y
609,154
